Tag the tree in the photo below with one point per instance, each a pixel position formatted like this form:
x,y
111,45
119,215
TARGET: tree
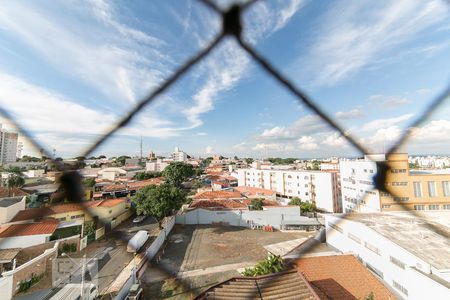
x,y
101,157
295,201
158,201
145,175
307,207
89,182
236,158
249,160
14,181
121,160
256,204
177,172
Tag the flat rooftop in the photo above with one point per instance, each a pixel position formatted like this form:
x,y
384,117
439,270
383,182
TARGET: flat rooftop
x,y
425,235
6,202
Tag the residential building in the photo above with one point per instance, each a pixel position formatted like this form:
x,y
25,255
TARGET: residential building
x,y
407,252
156,166
252,192
8,146
26,235
179,155
409,188
319,187
9,207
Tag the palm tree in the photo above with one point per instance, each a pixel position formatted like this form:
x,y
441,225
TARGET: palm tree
x,y
14,180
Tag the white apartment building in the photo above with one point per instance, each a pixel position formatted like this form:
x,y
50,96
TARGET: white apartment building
x,y
322,188
179,155
8,146
156,166
357,184
410,257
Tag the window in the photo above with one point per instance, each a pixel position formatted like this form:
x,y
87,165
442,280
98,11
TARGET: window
x,y
433,207
432,189
110,211
372,248
397,262
306,185
446,206
399,287
419,207
365,170
401,183
417,189
77,216
446,188
306,178
336,227
354,237
375,270
289,176
371,171
386,206
401,198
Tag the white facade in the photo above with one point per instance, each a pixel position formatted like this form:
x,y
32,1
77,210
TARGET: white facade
x,y
357,188
9,208
322,188
24,241
8,146
409,257
277,217
156,166
179,155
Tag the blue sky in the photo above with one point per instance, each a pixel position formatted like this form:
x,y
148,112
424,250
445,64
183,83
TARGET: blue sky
x,y
69,69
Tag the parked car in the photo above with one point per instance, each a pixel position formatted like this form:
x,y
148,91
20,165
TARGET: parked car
x,y
139,219
135,292
137,241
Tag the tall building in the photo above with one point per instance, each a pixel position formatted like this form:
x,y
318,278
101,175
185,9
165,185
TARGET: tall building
x,y
321,188
179,155
411,189
8,146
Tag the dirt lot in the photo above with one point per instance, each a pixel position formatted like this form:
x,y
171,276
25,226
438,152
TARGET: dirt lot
x,y
204,255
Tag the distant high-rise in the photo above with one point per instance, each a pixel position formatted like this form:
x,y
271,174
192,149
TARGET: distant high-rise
x,y
179,155
8,146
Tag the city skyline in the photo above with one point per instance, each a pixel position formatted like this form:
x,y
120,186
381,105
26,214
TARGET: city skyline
x,y
374,70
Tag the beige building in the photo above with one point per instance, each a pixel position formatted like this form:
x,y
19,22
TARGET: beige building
x,y
410,189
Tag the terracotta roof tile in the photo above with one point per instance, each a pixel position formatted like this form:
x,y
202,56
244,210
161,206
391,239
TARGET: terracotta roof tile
x,y
265,202
216,204
253,191
114,187
39,213
218,195
13,192
341,277
28,229
144,183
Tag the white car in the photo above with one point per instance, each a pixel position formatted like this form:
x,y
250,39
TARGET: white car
x,y
139,219
135,292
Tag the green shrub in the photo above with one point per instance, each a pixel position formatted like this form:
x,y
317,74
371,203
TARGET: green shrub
x,y
272,264
27,284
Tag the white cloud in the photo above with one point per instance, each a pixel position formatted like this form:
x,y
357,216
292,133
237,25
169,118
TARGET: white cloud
x,y
309,124
307,143
336,141
229,63
351,114
89,44
354,35
388,102
384,123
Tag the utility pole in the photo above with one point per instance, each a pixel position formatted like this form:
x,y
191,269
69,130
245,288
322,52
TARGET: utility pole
x,y
82,276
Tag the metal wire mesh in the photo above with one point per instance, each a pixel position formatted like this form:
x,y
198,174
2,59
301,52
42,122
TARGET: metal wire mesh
x,y
232,26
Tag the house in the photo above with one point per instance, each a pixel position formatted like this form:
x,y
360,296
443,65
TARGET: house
x,y
254,192
105,190
104,210
408,252
10,206
341,277
27,234
218,195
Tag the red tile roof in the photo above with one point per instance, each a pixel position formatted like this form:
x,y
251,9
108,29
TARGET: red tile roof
x,y
265,202
38,213
13,192
13,230
254,191
341,277
144,183
114,187
218,204
218,195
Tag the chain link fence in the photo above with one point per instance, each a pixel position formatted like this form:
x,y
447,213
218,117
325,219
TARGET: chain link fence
x,y
71,181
